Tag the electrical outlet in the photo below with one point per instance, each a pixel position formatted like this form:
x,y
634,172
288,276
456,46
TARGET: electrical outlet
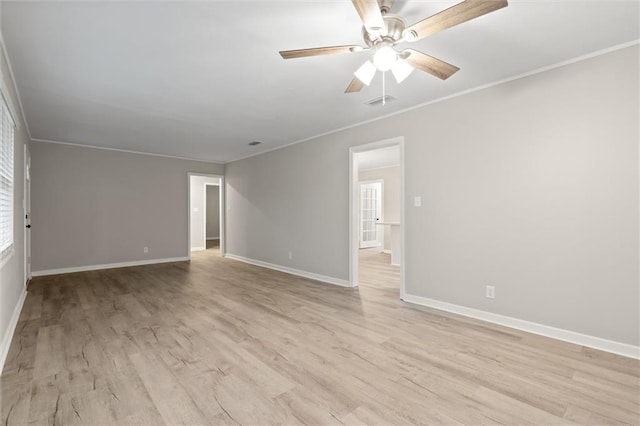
x,y
417,201
491,292
290,255
145,250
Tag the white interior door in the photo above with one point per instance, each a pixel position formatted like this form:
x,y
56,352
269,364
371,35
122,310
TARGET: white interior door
x,y
370,213
27,215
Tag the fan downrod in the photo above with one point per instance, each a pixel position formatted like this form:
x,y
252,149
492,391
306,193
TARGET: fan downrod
x,y
385,6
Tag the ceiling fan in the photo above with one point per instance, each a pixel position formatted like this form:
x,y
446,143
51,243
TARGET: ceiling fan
x,y
382,31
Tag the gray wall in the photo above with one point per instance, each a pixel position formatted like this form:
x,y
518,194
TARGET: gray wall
x,y
213,211
12,272
530,186
391,196
93,206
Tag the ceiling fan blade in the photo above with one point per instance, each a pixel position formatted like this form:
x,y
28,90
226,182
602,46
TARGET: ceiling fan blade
x,y
429,64
317,51
370,14
355,86
461,12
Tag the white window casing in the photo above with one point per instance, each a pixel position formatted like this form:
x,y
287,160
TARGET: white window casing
x,y
7,130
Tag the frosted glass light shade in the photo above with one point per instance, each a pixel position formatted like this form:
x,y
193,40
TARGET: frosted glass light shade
x,y
401,70
384,58
366,72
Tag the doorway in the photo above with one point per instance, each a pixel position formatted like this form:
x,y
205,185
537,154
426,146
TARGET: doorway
x,y
377,235
26,204
205,213
212,216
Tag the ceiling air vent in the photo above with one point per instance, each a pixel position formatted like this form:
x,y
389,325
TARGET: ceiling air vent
x,y
254,143
378,101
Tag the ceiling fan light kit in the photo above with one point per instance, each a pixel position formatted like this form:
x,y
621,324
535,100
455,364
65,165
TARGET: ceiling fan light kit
x,y
385,57
401,70
382,31
366,72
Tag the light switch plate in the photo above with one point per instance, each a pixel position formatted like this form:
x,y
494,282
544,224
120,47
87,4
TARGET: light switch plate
x,y
417,201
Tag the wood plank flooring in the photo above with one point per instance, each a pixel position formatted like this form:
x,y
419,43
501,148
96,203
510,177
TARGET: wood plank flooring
x,y
216,341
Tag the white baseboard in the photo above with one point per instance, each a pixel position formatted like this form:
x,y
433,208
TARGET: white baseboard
x,y
106,266
198,248
212,238
292,271
8,333
386,251
531,327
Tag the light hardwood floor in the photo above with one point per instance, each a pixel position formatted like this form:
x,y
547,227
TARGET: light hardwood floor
x,y
219,341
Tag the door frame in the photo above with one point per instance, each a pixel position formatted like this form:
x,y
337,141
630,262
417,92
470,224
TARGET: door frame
x,y
222,212
219,185
380,236
26,215
354,201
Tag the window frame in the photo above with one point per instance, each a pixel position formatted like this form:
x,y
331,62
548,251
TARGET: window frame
x,y
8,249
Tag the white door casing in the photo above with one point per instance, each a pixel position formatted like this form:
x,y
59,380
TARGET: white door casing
x,y
26,207
222,212
354,208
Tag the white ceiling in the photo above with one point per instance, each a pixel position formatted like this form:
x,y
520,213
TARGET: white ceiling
x,y
202,79
379,158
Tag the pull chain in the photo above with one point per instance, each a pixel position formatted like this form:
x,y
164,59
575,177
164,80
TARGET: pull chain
x,y
384,92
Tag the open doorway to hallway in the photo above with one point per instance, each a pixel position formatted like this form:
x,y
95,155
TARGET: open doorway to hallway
x,y
206,213
212,216
376,183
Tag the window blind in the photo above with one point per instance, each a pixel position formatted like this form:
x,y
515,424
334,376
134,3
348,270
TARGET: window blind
x,y
7,127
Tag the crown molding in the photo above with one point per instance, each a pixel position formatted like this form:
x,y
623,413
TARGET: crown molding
x,y
455,95
79,145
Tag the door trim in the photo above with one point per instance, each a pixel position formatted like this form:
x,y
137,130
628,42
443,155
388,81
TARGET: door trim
x,y
223,247
26,210
354,197
219,185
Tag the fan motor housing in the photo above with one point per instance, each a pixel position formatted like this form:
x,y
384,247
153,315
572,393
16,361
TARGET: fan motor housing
x,y
395,26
